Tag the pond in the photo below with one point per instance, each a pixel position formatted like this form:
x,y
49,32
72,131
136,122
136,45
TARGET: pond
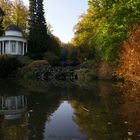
x,y
101,111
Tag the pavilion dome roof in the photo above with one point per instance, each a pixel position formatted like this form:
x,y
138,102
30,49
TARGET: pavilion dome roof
x,y
13,28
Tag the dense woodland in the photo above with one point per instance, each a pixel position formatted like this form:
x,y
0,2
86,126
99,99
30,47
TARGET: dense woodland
x,y
106,39
111,31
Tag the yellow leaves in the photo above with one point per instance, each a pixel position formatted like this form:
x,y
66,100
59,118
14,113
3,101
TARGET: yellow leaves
x,y
15,13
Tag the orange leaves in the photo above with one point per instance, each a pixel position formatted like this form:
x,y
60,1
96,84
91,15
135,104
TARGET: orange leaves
x,y
130,55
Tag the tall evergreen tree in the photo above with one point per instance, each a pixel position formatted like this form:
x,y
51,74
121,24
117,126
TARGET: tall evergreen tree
x,y
37,29
41,26
32,19
1,20
32,25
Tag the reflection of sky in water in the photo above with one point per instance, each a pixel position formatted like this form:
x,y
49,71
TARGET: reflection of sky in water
x,y
61,125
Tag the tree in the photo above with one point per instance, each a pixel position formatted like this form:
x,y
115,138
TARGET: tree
x,y
32,15
15,13
41,26
1,20
54,45
37,30
19,15
32,26
105,26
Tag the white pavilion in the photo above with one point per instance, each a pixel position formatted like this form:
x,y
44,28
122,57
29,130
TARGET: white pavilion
x,y
13,41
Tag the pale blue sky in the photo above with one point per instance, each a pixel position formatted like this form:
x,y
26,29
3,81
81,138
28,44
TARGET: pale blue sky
x,y
63,15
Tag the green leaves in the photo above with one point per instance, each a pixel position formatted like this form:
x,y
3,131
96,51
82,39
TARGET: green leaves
x,y
105,26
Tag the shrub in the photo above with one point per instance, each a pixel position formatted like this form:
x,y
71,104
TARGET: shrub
x,y
94,69
28,71
85,75
89,64
106,71
8,65
24,60
51,58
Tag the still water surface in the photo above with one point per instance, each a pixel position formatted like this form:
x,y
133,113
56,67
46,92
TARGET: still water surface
x,y
62,125
97,112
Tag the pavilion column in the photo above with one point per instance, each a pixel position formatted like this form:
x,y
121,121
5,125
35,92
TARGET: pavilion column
x,y
8,102
23,48
0,47
3,47
16,103
25,101
26,47
2,103
9,47
16,47
22,101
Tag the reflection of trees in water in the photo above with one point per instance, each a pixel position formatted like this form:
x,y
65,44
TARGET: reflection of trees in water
x,y
105,113
99,115
41,107
9,88
1,130
13,117
14,130
31,126
131,108
34,86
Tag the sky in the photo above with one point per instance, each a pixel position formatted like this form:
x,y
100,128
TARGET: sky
x,y
63,15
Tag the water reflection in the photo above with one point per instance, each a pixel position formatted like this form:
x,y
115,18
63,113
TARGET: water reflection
x,y
12,107
61,125
13,118
111,113
40,108
102,111
131,109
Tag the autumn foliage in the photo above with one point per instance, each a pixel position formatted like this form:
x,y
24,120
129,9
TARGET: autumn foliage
x,y
129,67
